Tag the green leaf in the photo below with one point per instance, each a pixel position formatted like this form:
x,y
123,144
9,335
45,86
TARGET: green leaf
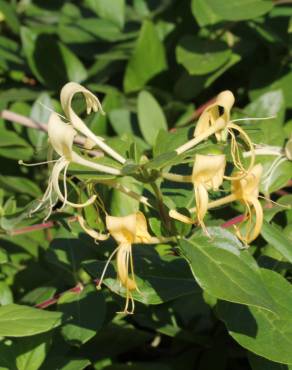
x,y
225,271
204,13
262,332
159,278
148,59
32,351
87,308
150,117
201,56
260,363
122,204
6,296
231,10
13,146
275,237
22,321
41,49
111,10
271,104
19,185
9,15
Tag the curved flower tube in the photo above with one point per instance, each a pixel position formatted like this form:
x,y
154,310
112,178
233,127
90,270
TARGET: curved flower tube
x,y
92,104
246,190
61,136
208,174
215,119
126,231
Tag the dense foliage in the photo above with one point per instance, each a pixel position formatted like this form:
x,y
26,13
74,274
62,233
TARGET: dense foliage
x,y
209,293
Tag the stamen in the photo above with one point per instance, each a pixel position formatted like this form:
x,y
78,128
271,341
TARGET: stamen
x,y
252,119
36,164
52,110
105,268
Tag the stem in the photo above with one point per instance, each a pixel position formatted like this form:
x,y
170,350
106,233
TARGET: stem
x,y
219,125
176,177
30,123
161,207
130,193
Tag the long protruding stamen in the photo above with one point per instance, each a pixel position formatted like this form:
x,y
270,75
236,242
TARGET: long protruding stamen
x,y
36,164
253,119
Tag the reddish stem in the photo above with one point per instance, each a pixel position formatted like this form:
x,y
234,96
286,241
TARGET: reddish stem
x,y
233,221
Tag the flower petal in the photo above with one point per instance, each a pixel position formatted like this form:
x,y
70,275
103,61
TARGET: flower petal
x,y
61,136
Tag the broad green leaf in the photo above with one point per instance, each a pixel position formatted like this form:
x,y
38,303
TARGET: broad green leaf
x,y
265,333
150,117
120,120
13,146
19,185
121,203
87,309
275,237
32,351
271,104
41,49
201,56
3,256
260,363
160,279
225,271
40,112
22,321
236,10
204,13
148,59
111,10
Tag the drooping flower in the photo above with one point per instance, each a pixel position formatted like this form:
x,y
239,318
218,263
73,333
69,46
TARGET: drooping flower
x,y
215,119
127,231
92,104
61,137
246,190
208,174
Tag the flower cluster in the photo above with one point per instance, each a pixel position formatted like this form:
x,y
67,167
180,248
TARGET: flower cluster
x,y
208,174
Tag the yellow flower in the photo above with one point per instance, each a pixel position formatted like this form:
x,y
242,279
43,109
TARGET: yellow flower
x,y
61,137
220,109
246,190
208,174
92,104
215,119
126,231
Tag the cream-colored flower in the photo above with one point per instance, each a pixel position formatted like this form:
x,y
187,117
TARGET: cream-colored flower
x,y
126,231
61,137
92,104
220,109
246,190
215,119
208,174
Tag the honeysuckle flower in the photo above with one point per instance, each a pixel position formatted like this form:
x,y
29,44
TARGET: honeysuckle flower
x,y
127,230
246,190
92,104
215,119
219,109
208,174
61,137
